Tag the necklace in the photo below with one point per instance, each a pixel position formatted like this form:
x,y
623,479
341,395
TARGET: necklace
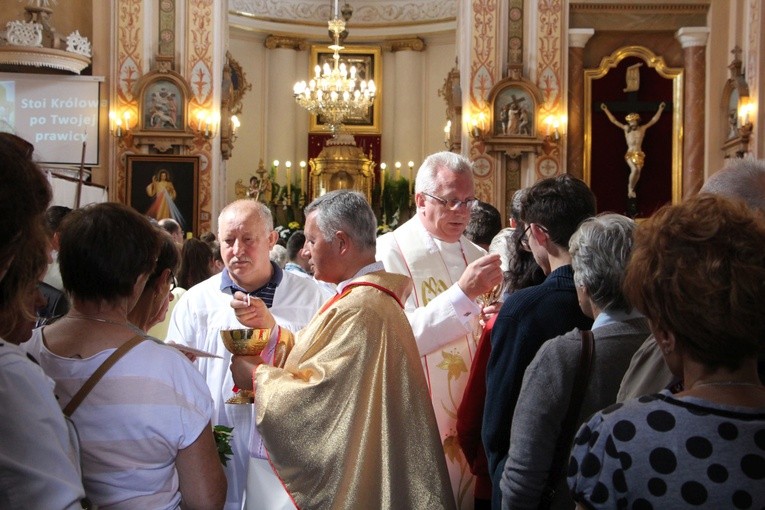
x,y
126,324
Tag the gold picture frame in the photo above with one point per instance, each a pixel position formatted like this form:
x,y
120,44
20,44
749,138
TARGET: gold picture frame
x,y
368,62
657,63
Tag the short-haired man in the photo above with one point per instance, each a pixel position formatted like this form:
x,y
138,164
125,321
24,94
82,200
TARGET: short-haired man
x,y
551,211
485,223
246,233
449,273
347,420
297,261
173,228
741,179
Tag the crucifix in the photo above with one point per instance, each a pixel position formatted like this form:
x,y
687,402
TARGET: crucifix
x,y
633,134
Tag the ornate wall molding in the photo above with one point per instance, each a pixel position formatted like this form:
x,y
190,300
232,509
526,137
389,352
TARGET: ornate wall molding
x,y
198,70
364,13
639,7
549,74
130,63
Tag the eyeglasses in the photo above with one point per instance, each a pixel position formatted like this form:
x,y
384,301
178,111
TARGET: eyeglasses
x,y
524,239
172,282
453,204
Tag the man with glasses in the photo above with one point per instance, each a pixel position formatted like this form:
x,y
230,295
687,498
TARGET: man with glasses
x,y
449,273
552,211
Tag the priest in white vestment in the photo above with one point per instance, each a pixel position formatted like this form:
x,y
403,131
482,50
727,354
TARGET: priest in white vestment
x,y
449,273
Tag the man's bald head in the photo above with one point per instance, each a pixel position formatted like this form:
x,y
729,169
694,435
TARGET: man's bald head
x,y
250,208
742,179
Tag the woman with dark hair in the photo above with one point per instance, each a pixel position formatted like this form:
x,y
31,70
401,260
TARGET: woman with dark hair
x,y
520,271
197,263
698,274
39,457
152,407
155,299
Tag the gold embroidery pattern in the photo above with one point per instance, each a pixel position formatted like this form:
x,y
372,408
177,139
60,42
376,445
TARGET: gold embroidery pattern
x,y
454,454
431,288
455,368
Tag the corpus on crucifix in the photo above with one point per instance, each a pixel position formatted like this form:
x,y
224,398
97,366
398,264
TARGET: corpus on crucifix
x,y
634,134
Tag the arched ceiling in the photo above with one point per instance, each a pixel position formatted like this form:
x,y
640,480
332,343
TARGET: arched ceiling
x,y
372,19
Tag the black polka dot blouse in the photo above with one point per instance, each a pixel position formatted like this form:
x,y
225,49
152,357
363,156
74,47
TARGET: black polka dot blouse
x,y
662,452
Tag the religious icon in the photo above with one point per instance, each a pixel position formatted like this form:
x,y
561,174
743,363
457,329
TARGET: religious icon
x,y
162,190
513,112
163,106
164,187
634,134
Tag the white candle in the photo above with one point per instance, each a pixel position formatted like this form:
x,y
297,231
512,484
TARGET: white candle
x,y
411,176
303,190
337,9
288,164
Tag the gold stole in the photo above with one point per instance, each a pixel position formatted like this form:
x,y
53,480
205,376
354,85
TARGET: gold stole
x,y
446,371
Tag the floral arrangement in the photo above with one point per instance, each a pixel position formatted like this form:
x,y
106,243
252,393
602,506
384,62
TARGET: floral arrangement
x,y
223,436
286,232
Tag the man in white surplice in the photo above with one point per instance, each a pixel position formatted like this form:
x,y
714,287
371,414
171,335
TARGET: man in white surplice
x,y
449,274
246,233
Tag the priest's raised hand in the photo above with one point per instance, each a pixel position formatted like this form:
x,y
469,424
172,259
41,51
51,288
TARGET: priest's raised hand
x,y
252,312
481,276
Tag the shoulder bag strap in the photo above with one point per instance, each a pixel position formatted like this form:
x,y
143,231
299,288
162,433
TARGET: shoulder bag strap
x,y
568,427
99,373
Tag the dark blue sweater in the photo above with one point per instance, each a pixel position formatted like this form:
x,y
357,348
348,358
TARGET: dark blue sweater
x,y
528,318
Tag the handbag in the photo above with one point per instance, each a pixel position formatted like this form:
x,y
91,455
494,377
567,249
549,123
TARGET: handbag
x,y
568,428
99,373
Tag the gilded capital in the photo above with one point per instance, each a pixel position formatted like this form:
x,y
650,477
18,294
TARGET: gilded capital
x,y
409,44
282,41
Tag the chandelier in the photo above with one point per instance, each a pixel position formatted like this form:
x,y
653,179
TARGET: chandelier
x,y
335,93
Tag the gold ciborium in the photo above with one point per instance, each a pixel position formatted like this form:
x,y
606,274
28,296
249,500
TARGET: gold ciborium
x,y
244,342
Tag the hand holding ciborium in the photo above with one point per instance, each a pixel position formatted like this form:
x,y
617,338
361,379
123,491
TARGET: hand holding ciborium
x,y
244,342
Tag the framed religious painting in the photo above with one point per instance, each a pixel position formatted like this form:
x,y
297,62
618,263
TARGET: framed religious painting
x,y
368,63
163,99
514,105
162,107
165,187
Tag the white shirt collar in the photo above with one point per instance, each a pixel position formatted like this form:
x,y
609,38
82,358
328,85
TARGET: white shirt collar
x,y
370,268
613,316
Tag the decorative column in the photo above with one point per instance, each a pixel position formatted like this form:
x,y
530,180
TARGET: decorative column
x,y
407,144
694,41
577,39
281,110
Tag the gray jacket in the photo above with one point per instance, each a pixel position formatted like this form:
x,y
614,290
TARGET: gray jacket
x,y
544,398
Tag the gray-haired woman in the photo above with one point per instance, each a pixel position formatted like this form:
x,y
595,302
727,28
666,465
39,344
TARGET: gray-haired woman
x,y
599,250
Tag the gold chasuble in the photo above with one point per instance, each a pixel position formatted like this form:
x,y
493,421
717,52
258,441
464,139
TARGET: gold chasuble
x,y
347,422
